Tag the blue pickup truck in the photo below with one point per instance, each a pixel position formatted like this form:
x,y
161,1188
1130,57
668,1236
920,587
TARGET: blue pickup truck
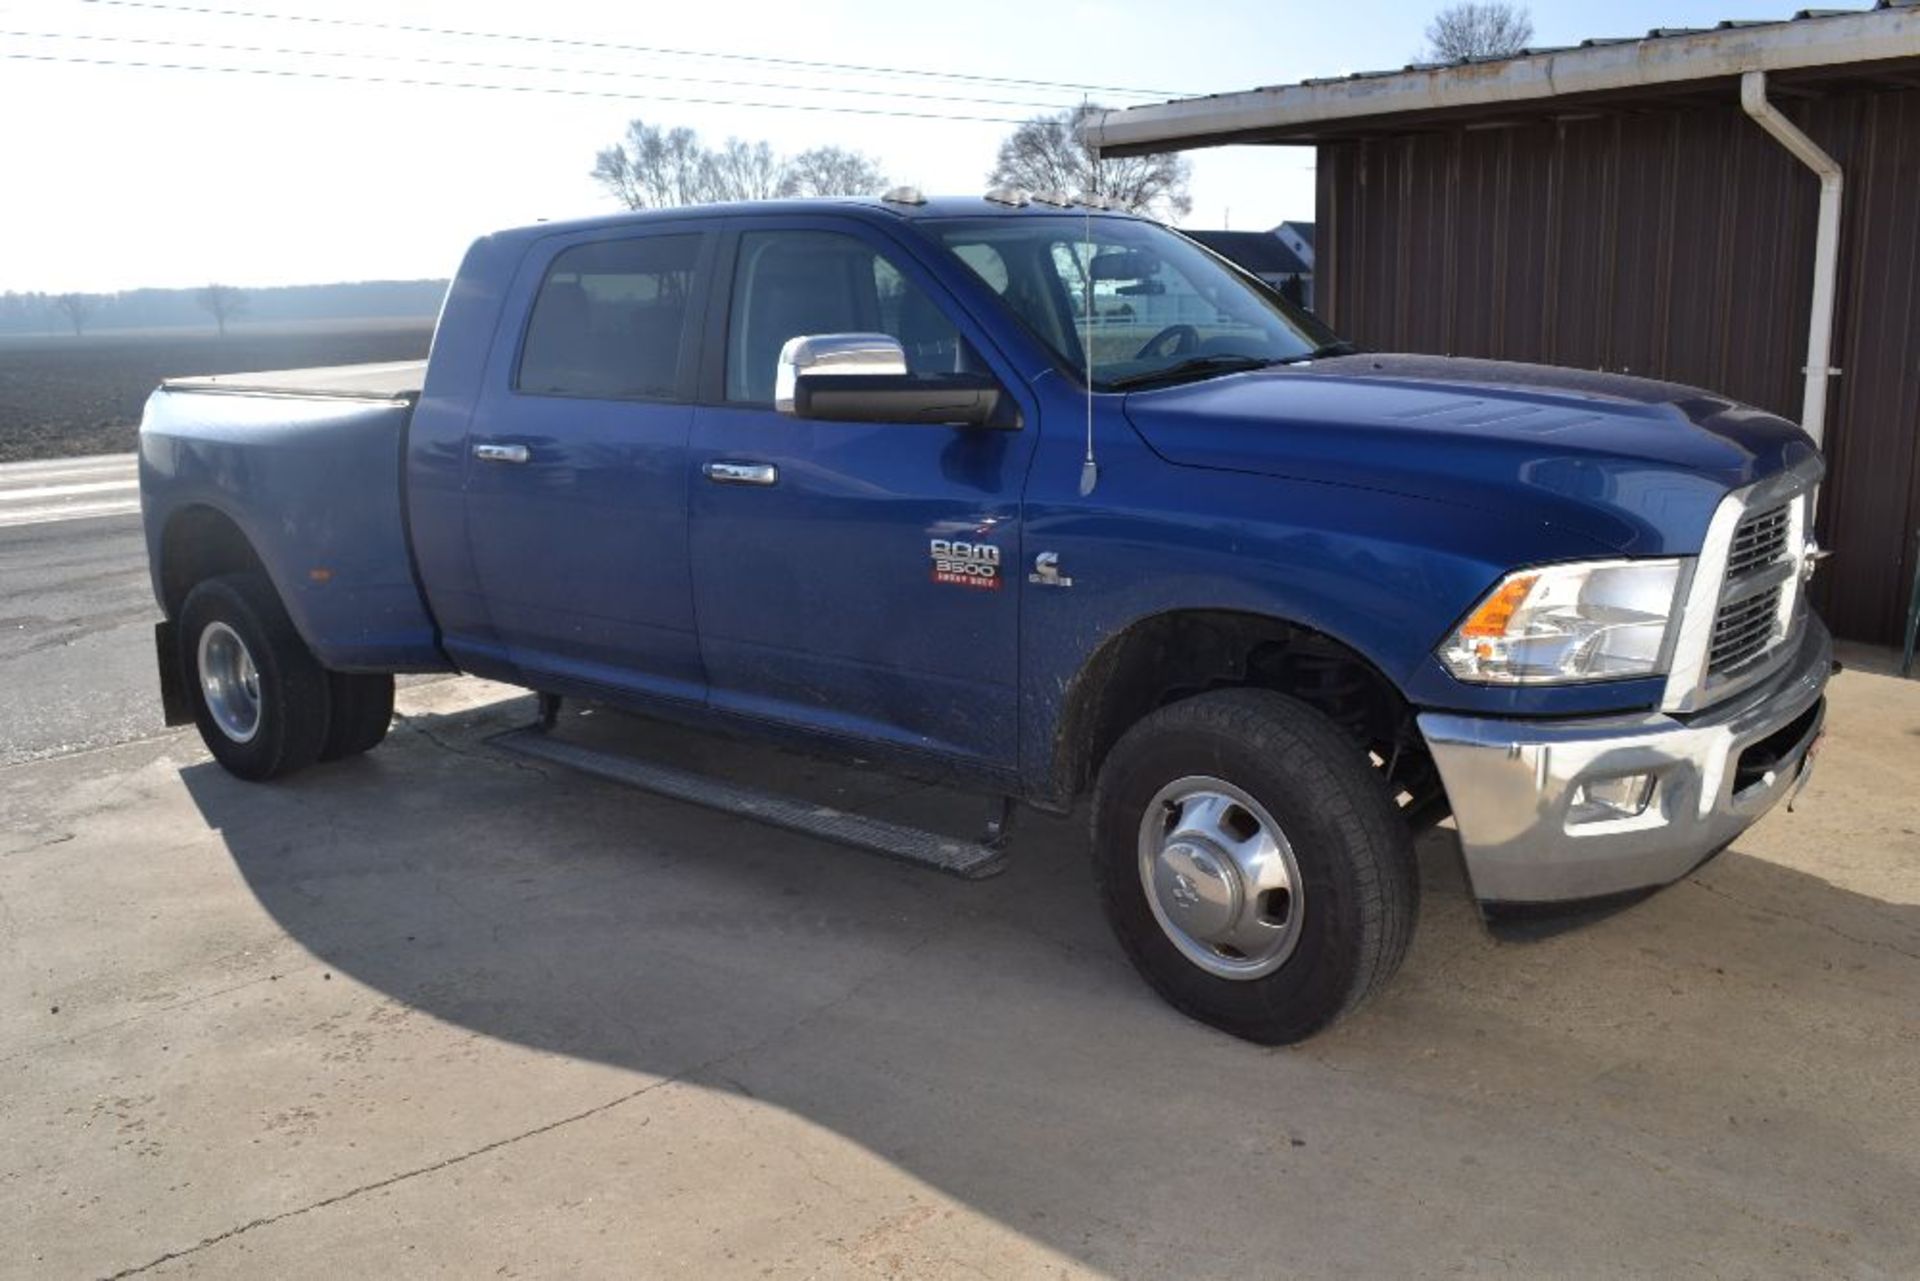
x,y
1050,502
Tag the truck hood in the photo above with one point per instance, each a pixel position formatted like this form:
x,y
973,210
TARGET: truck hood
x,y
1636,465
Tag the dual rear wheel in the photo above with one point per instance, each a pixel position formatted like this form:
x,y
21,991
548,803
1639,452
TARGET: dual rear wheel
x,y
263,704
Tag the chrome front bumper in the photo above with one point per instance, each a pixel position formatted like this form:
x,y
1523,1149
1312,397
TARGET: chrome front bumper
x,y
1513,785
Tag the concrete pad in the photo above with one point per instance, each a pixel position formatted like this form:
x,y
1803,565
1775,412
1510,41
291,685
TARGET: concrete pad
x,y
441,1012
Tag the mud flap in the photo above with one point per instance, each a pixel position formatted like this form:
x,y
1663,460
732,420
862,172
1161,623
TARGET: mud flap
x,y
174,707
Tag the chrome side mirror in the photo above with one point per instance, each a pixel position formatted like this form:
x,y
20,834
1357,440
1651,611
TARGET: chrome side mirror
x,y
834,354
863,378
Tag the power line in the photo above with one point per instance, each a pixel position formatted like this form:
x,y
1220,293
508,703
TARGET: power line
x,y
287,73
612,46
542,68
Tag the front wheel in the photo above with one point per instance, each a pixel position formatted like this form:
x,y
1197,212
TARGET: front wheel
x,y
259,696
1251,864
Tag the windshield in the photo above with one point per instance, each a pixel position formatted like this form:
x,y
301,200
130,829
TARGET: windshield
x,y
1163,308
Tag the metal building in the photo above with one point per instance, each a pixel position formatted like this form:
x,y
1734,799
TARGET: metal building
x,y
1727,207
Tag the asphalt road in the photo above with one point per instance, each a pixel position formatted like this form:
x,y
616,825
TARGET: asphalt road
x,y
76,611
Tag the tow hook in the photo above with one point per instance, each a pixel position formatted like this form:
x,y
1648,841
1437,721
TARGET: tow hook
x,y
1806,770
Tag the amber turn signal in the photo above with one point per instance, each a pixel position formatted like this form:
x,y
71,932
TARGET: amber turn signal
x,y
1491,619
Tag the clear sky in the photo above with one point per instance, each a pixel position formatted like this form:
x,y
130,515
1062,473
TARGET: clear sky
x,y
117,177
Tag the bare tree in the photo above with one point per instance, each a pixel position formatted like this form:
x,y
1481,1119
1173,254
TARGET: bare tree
x,y
1478,29
222,302
77,308
1050,153
832,171
743,171
656,168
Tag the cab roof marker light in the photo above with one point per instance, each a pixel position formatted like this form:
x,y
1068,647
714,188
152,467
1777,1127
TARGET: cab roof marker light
x,y
905,196
1013,197
1058,199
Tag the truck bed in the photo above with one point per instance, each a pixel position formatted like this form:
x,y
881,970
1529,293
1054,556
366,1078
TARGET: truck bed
x,y
390,380
306,464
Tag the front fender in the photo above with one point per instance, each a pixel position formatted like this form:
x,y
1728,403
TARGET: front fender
x,y
1383,574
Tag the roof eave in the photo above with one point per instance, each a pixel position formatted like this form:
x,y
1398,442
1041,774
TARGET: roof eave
x,y
1296,111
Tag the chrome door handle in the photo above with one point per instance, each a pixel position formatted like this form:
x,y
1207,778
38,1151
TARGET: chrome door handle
x,y
502,453
725,473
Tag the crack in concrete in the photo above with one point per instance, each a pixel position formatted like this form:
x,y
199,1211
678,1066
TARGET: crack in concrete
x,y
143,1015
378,1184
1801,920
415,724
58,838
685,1075
64,753
794,1150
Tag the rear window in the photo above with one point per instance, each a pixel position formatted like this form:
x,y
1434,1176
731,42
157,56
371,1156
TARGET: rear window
x,y
611,320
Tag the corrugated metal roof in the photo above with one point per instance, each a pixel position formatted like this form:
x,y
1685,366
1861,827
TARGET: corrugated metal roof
x,y
1668,56
1592,42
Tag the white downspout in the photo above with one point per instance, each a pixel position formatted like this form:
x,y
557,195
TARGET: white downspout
x,y
1826,248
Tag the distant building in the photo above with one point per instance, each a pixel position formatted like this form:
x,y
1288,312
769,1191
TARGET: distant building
x,y
1298,236
1282,257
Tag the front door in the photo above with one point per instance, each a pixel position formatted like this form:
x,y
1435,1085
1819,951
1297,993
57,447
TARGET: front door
x,y
855,578
577,489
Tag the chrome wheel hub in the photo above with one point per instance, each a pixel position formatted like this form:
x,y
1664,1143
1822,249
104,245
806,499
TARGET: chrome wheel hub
x,y
1221,877
230,682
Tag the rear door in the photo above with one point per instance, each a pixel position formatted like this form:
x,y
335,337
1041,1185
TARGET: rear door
x,y
868,585
576,476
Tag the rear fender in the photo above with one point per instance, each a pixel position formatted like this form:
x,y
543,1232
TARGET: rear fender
x,y
314,487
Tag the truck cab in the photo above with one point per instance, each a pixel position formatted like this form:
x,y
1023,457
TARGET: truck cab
x,y
1052,502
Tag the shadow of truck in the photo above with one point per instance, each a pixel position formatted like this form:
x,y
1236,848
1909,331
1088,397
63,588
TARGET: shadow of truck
x,y
1730,1065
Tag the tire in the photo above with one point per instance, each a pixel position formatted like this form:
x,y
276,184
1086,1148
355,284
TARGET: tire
x,y
275,675
361,713
1322,920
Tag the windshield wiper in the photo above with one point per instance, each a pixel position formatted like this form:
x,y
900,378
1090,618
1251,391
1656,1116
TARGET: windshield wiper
x,y
1339,348
1192,367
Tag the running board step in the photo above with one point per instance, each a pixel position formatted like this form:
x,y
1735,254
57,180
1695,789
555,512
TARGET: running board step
x,y
965,859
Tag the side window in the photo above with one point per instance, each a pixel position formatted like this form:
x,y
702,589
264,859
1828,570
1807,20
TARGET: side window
x,y
1037,295
611,319
789,283
986,263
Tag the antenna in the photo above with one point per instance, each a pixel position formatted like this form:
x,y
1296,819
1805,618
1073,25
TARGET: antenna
x,y
1089,469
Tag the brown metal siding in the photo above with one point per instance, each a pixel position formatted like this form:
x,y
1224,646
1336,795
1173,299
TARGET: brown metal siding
x,y
1672,241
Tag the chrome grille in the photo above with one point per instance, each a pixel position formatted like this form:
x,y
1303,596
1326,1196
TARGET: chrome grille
x,y
1759,540
1746,607
1743,629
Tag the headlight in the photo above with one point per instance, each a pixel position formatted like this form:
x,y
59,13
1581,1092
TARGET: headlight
x,y
1584,622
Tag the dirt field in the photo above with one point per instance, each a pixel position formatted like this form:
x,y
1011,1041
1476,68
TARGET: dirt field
x,y
63,396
